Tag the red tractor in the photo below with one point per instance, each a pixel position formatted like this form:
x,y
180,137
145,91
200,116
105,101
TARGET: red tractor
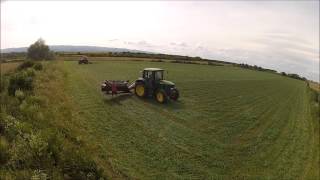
x,y
83,60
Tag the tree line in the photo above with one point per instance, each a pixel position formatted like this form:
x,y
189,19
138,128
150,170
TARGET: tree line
x,y
40,51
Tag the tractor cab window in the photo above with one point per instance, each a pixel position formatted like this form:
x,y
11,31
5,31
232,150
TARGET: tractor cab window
x,y
147,74
158,75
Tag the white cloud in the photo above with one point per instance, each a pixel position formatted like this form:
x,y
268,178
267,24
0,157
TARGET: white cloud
x,y
283,35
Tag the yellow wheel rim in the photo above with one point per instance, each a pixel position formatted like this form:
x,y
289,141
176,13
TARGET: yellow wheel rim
x,y
140,90
160,97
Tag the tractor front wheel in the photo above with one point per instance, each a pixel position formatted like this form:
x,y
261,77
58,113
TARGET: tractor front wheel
x,y
161,96
140,90
174,94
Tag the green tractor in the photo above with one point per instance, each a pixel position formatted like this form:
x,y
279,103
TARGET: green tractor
x,y
152,84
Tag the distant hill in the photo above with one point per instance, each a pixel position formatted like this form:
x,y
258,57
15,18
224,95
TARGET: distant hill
x,y
69,48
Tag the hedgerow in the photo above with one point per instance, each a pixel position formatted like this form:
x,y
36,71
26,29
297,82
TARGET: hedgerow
x,y
31,145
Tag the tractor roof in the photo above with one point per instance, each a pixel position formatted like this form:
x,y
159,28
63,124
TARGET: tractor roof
x,y
153,69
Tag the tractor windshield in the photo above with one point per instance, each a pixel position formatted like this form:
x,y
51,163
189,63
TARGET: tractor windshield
x,y
158,75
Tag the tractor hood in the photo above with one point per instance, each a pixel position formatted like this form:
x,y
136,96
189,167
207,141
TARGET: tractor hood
x,y
165,82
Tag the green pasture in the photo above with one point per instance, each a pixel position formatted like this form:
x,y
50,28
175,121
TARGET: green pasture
x,y
228,123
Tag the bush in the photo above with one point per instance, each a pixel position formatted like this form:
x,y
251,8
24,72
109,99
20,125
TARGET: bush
x,y
30,64
39,174
4,150
159,60
20,81
25,65
2,123
38,66
30,108
55,144
214,64
176,61
41,157
13,127
35,147
20,95
51,56
78,165
30,72
39,51
3,83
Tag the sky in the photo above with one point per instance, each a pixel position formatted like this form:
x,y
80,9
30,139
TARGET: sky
x,y
280,35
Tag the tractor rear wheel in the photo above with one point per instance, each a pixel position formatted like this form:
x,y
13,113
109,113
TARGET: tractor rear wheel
x,y
161,96
140,90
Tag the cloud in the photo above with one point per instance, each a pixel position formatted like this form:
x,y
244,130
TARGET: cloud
x,y
286,37
144,43
281,52
285,52
272,57
33,20
139,44
181,44
199,47
289,43
286,33
113,40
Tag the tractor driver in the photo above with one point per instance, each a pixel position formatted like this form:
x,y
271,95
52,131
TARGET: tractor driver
x,y
150,81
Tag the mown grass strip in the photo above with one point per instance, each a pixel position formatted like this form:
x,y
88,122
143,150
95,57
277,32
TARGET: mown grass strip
x,y
229,123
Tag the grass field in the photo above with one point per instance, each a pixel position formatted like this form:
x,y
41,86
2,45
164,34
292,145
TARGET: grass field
x,y
315,86
228,123
6,67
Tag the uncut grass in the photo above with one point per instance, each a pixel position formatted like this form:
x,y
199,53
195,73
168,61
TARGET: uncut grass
x,y
315,86
229,122
7,67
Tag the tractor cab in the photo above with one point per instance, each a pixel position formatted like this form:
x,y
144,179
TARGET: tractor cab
x,y
152,83
154,74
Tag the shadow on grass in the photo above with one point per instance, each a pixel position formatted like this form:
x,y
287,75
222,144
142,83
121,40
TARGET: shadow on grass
x,y
117,99
169,105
